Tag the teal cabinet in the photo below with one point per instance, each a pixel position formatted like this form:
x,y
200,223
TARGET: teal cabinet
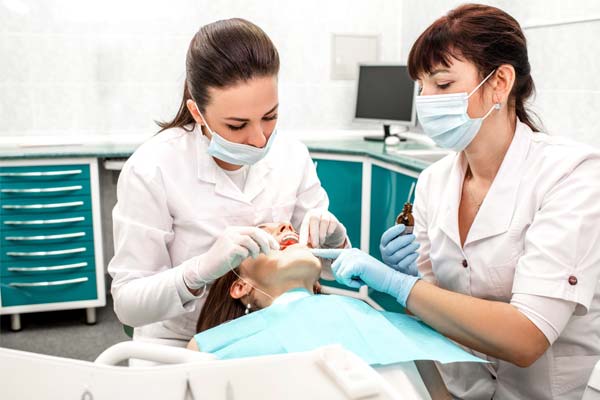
x,y
342,180
48,258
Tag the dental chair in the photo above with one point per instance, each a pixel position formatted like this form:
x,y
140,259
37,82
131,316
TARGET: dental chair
x,y
592,391
329,372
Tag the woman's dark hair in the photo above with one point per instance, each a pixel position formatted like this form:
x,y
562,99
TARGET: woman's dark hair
x,y
223,54
485,36
220,307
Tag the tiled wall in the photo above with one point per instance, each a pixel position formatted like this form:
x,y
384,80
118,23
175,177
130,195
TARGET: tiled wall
x,y
565,59
112,66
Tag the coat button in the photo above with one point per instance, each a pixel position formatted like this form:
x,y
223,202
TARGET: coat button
x,y
572,280
465,263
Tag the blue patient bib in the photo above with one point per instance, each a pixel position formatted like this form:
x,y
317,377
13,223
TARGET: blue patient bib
x,y
300,321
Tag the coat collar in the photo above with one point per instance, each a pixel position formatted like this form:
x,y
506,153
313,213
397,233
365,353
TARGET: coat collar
x,y
498,207
210,172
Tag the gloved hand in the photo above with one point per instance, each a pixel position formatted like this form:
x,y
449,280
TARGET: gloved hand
x,y
399,252
231,248
354,268
321,228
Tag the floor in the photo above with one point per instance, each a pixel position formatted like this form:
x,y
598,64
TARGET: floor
x,y
64,333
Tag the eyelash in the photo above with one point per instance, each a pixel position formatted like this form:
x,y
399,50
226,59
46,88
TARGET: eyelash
x,y
444,86
240,127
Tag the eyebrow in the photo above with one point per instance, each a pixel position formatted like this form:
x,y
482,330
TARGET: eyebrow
x,y
437,71
246,119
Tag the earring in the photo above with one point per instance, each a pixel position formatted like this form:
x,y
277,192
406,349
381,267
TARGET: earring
x,y
248,306
497,106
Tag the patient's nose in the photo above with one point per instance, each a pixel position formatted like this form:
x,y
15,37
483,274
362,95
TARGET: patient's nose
x,y
286,226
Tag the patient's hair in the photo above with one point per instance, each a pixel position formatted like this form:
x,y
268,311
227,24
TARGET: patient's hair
x,y
220,307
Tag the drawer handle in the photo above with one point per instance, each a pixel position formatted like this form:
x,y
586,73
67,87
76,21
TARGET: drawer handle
x,y
47,173
34,206
45,253
43,269
47,237
46,221
51,283
43,190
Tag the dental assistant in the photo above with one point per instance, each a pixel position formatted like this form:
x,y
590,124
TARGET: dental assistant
x,y
190,198
508,226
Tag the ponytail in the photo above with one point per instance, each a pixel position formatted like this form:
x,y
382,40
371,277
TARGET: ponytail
x,y
523,90
183,118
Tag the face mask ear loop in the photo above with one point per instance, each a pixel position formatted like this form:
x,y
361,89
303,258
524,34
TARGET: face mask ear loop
x,y
204,120
252,286
481,83
494,107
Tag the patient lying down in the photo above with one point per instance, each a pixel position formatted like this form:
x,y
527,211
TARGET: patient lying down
x,y
268,306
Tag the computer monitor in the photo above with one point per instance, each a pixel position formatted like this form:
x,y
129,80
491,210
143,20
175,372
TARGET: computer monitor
x,y
385,94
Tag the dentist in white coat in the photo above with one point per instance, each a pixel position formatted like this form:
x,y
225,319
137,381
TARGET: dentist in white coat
x,y
508,226
189,199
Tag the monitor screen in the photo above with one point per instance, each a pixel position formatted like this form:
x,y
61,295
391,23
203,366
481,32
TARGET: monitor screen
x,y
385,93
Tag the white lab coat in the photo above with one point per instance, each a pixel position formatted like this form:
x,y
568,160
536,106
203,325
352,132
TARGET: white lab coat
x,y
173,202
538,233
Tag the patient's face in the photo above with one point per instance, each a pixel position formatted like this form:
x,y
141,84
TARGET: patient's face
x,y
292,261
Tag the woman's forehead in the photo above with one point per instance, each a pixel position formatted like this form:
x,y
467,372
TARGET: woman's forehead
x,y
246,99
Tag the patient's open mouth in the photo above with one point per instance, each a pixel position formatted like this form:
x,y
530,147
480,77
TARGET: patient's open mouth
x,y
288,240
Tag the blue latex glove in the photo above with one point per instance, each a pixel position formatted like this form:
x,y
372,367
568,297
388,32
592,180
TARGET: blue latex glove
x,y
354,268
399,252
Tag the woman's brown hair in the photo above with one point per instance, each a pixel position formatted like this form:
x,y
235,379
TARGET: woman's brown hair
x,y
219,306
484,35
220,55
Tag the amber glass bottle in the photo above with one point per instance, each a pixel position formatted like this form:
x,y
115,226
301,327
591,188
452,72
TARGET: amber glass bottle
x,y
406,218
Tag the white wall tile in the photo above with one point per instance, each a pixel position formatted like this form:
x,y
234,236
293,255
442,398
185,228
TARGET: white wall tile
x,y
114,65
570,113
16,113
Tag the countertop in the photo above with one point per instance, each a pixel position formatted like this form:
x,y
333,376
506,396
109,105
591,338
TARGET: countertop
x,y
406,154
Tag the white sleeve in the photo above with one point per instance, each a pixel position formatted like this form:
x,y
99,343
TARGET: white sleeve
x,y
420,231
310,193
145,283
549,314
561,256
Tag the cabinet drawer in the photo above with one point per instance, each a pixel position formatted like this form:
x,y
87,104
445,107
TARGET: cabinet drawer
x,y
45,206
50,222
46,267
46,241
44,173
66,251
42,190
34,238
18,291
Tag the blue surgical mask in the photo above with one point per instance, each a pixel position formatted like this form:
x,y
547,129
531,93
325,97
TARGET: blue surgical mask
x,y
444,118
237,153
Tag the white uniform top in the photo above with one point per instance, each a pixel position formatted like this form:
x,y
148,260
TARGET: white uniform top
x,y
536,236
173,202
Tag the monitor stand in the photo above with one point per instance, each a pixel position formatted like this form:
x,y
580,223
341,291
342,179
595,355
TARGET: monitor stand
x,y
386,133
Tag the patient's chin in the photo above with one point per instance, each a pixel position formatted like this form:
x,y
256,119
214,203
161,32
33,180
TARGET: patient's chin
x,y
299,258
